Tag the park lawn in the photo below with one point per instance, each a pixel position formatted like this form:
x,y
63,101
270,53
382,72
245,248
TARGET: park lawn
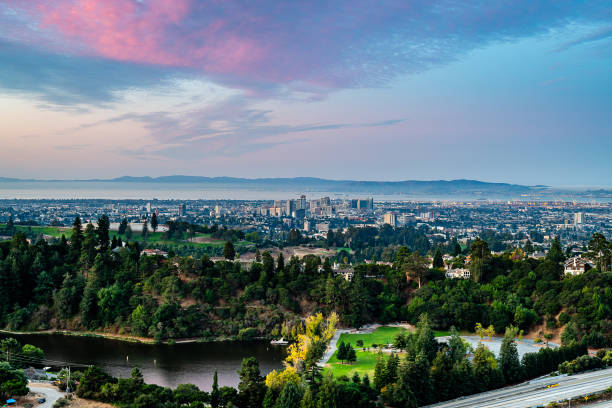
x,y
382,335
364,365
46,230
366,360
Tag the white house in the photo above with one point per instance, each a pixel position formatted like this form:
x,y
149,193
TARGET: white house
x,y
576,266
459,273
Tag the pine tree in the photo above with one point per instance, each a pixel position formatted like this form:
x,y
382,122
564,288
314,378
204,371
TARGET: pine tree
x,y
103,231
328,393
379,372
341,354
418,372
280,262
351,356
438,262
391,369
123,226
214,394
441,378
509,363
289,397
145,230
229,252
154,222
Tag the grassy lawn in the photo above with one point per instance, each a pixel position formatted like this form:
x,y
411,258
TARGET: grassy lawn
x,y
382,335
364,365
366,360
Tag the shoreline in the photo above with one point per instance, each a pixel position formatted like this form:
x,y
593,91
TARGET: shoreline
x,y
123,338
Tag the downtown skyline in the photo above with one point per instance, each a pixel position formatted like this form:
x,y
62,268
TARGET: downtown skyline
x,y
515,92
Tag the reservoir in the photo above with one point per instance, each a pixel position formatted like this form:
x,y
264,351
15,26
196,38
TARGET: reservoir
x,y
166,365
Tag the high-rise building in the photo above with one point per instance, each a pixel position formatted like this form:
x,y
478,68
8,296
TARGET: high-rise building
x,y
365,204
578,218
390,219
181,210
290,207
148,208
301,205
325,201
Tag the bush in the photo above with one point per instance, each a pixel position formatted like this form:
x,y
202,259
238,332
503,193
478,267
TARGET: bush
x,y
580,364
247,334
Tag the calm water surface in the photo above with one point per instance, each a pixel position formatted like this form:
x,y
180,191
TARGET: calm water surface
x,y
164,365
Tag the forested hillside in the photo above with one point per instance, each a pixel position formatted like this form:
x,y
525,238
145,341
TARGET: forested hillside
x,y
88,284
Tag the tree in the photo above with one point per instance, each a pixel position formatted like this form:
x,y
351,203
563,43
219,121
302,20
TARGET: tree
x,y
251,388
341,354
145,230
417,372
480,253
280,262
456,249
76,239
438,262
128,232
379,372
351,356
123,226
289,397
154,222
480,331
214,394
509,359
555,253
102,232
10,349
415,267
485,368
229,252
441,376
328,393
10,226
599,250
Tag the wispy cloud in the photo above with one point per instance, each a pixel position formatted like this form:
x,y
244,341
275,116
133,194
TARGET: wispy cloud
x,y
262,47
599,34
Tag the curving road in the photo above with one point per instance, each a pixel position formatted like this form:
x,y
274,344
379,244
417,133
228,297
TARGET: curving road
x,y
51,393
535,393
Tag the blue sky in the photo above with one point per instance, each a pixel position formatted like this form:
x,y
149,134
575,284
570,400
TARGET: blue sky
x,y
514,91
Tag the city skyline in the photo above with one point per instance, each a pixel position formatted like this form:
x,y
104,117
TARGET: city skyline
x,y
515,92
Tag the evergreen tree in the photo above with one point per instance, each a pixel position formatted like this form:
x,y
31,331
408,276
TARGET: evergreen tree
x,y
441,376
355,378
509,363
438,262
555,253
401,394
309,399
214,393
379,372
103,232
154,222
145,230
391,369
341,353
456,249
351,355
229,252
290,396
123,226
10,226
280,262
76,239
328,394
417,371
251,389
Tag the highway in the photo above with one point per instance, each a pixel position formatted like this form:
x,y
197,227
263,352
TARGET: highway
x,y
537,392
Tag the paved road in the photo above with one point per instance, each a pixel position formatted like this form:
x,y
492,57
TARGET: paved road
x,y
51,393
535,393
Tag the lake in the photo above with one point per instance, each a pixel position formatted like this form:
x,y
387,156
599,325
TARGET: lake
x,y
161,364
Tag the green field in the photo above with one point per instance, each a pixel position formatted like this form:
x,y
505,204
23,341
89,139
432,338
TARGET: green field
x,y
366,360
152,237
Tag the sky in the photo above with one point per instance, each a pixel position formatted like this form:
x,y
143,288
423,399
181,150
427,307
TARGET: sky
x,y
509,91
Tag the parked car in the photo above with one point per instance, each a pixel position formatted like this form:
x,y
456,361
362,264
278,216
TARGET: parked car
x,y
42,400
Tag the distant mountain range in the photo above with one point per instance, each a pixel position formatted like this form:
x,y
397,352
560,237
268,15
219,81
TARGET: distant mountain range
x,y
460,187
